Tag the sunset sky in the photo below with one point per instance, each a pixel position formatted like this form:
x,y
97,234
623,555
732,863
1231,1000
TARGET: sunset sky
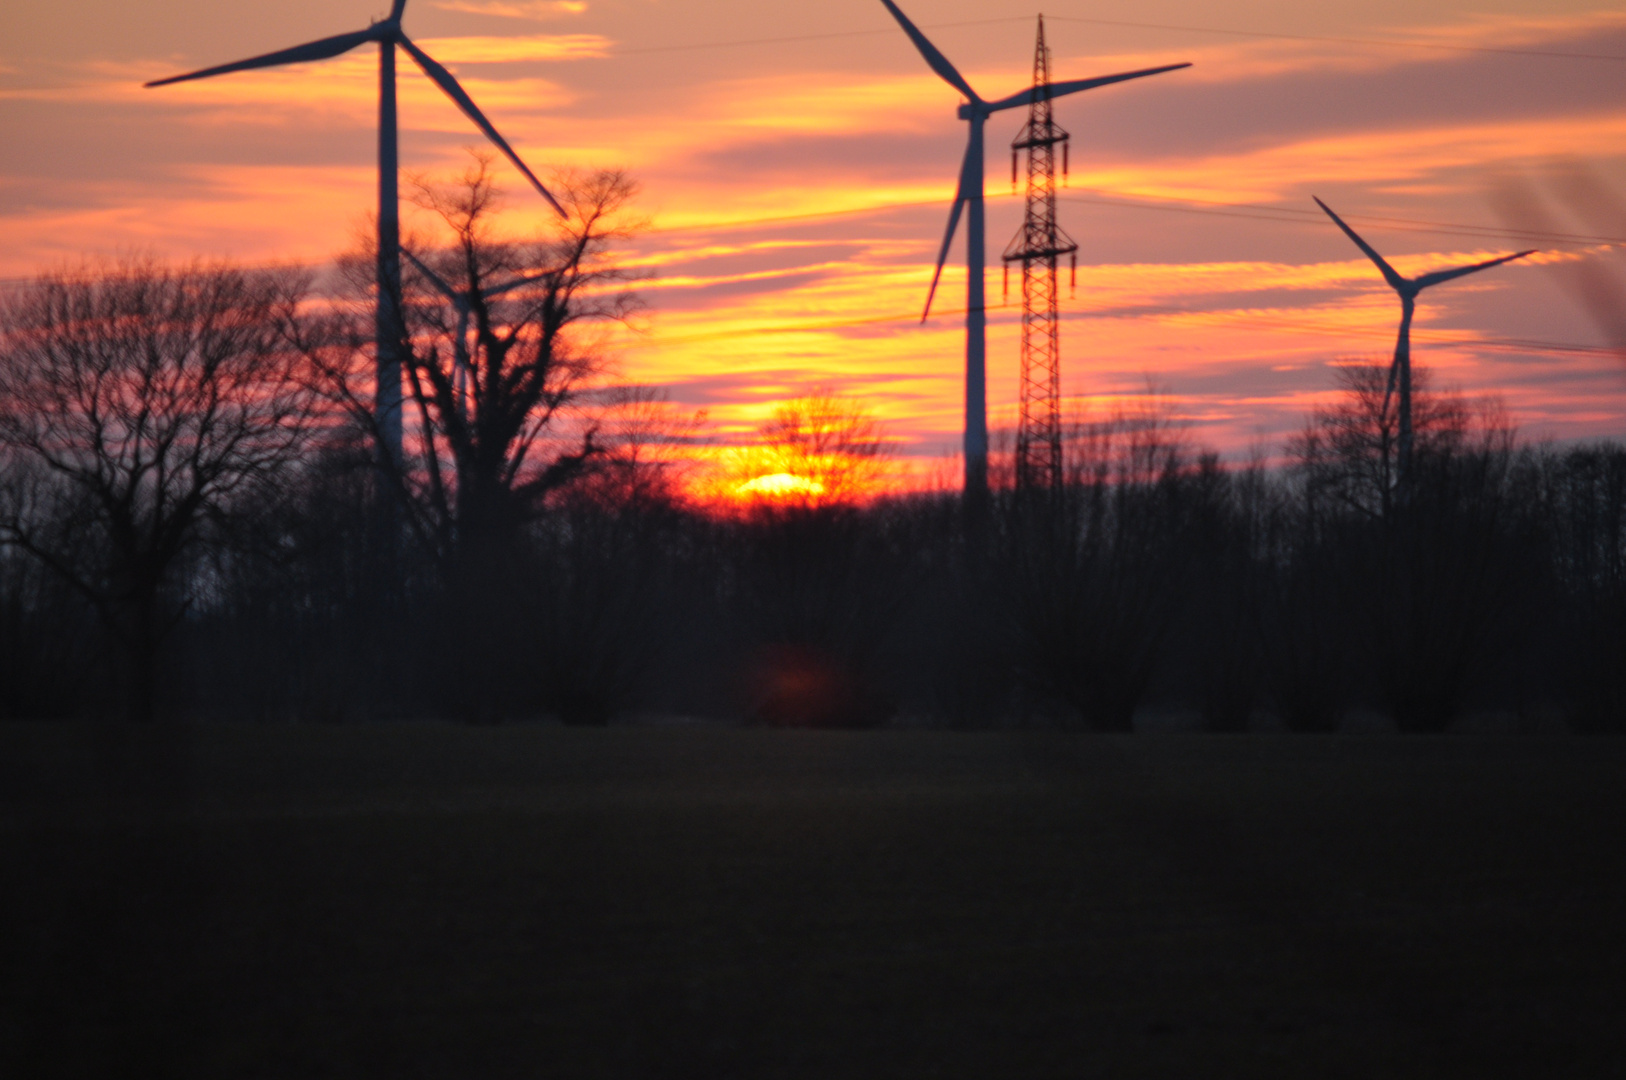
x,y
796,164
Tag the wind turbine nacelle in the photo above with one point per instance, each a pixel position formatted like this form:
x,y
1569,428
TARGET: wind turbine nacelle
x,y
969,111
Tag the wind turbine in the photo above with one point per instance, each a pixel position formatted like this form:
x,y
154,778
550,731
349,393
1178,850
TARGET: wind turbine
x,y
389,329
462,301
1400,369
975,111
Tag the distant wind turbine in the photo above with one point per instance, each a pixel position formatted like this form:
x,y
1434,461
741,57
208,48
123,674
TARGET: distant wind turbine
x,y
975,111
462,301
389,329
1400,369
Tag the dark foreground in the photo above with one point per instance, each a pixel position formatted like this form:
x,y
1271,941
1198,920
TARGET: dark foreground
x,y
428,901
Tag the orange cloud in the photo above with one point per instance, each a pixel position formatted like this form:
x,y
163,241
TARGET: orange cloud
x,y
1373,156
812,269
513,50
516,9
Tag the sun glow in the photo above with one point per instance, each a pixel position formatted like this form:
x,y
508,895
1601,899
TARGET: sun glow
x,y
780,486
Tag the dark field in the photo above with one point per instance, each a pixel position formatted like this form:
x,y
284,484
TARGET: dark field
x,y
431,901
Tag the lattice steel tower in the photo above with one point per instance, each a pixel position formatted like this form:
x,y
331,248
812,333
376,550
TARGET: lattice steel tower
x,y
1037,245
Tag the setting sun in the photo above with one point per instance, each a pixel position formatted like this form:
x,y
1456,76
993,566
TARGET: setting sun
x,y
780,486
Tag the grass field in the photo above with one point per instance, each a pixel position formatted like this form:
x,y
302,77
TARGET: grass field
x,y
431,901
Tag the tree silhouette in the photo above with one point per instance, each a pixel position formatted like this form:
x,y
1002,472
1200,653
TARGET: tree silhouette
x,y
497,360
143,407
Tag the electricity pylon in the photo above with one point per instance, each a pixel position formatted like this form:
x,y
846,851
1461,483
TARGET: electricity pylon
x,y
1037,245
976,111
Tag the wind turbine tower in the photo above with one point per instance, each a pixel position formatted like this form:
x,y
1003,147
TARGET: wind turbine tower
x,y
1037,246
975,111
390,343
1400,369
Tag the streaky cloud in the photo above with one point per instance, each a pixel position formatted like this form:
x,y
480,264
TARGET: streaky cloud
x,y
538,10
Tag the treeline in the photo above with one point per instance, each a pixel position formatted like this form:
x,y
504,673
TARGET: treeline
x,y
195,521
1154,578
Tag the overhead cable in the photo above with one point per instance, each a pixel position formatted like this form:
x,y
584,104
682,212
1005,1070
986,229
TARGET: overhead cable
x,y
1331,39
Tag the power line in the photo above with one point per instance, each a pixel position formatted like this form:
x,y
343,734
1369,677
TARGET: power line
x,y
1525,345
806,37
781,219
1176,28
695,46
1327,38
1521,345
1185,205
1294,215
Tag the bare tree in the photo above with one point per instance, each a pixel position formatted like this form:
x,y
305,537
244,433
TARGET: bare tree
x,y
499,355
612,564
647,445
1584,507
818,452
1428,588
1094,576
1348,451
141,407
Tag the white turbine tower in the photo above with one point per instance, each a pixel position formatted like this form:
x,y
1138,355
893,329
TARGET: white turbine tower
x,y
389,330
1400,369
975,112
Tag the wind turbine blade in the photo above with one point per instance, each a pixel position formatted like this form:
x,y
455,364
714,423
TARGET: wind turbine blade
x,y
498,290
435,279
1389,391
962,193
942,254
1062,89
1438,276
1394,279
446,82
934,59
299,54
